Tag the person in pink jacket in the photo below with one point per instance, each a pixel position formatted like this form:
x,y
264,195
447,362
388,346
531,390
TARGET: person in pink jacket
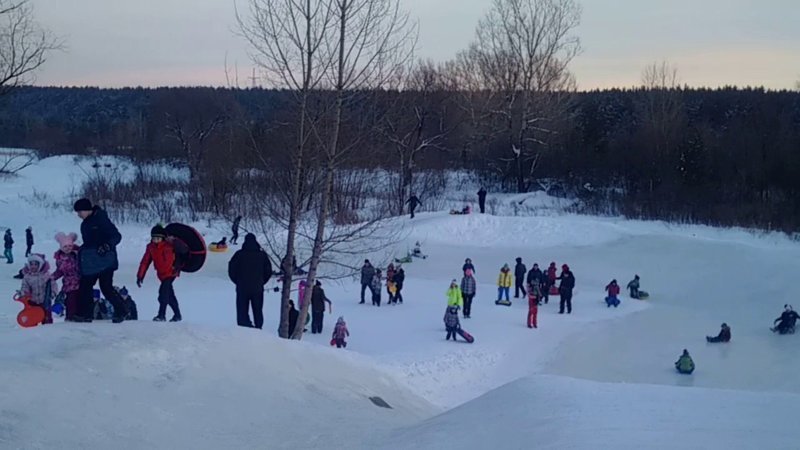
x,y
67,270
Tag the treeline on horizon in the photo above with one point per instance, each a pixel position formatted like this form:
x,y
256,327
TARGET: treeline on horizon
x,y
726,156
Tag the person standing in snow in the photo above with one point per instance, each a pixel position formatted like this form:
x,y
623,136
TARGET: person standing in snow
x,y
97,259
250,269
533,305
36,284
612,299
293,315
454,297
468,290
66,258
519,278
451,322
376,287
684,364
482,200
340,332
468,266
28,241
367,274
235,229
165,253
391,287
399,280
413,202
565,289
534,276
504,284
8,246
318,300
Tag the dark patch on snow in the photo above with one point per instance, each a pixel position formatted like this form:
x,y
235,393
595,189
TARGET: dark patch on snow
x,y
377,401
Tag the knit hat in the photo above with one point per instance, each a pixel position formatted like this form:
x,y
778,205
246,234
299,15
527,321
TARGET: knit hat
x,y
340,319
35,258
66,240
158,231
83,204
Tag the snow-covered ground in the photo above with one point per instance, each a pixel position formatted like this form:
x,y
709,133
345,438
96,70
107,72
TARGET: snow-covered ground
x,y
586,380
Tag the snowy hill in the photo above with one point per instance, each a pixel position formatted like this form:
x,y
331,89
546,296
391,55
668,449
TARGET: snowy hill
x,y
599,378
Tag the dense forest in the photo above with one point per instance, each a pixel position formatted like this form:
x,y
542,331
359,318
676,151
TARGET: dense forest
x,y
725,156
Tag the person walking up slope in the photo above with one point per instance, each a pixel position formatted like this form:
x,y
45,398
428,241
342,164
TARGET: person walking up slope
x,y
468,290
413,202
504,286
519,278
28,241
66,258
340,332
250,269
8,246
165,253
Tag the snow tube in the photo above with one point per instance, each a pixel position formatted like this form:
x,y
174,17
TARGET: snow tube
x,y
193,240
218,248
643,295
30,316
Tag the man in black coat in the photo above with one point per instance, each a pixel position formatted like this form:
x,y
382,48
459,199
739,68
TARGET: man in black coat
x,y
235,230
413,202
318,300
367,273
399,280
28,241
293,315
519,278
565,290
482,200
250,269
97,260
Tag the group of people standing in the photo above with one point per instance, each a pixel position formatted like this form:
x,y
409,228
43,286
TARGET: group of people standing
x,y
8,244
372,278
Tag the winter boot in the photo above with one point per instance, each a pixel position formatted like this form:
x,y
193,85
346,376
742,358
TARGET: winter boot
x,y
159,319
175,318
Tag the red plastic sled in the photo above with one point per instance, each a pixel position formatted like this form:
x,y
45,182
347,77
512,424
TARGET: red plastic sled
x,y
31,315
467,337
554,291
193,240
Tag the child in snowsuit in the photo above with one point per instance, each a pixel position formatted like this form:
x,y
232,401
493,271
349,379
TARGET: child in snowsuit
x,y
613,294
37,285
454,297
340,332
504,282
633,287
8,245
451,322
723,336
165,254
533,305
375,287
66,258
468,290
684,364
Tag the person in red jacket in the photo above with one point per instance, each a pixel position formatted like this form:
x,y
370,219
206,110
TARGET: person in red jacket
x,y
165,253
533,304
613,294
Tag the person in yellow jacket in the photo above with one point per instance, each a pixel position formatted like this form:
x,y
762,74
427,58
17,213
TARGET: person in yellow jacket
x,y
454,297
504,282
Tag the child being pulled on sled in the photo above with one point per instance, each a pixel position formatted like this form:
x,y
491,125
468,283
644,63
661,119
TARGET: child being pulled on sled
x,y
36,284
340,332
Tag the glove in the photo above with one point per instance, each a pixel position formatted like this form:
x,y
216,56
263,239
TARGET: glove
x,y
139,282
103,249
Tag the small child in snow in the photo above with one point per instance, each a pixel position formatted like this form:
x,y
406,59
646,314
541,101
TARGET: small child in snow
x,y
36,284
376,287
451,322
613,294
66,258
533,304
340,332
684,364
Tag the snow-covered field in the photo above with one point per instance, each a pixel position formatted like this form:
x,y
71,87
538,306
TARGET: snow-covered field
x,y
599,378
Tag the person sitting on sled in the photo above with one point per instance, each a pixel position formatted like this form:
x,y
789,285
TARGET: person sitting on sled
x,y
221,243
723,336
684,364
613,293
633,287
417,250
451,322
36,284
340,332
787,320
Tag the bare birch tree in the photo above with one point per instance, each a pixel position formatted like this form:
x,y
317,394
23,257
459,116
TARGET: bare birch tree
x,y
24,44
522,52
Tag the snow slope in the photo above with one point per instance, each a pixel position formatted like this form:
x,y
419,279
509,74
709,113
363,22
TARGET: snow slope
x,y
569,370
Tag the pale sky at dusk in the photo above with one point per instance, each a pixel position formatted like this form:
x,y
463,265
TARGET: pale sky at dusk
x,y
185,42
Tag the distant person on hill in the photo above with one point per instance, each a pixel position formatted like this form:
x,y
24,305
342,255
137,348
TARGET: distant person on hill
x,y
318,300
451,322
340,333
8,246
250,269
519,278
468,266
482,200
565,289
28,241
612,299
235,229
787,321
633,287
468,290
413,202
684,364
367,273
723,336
